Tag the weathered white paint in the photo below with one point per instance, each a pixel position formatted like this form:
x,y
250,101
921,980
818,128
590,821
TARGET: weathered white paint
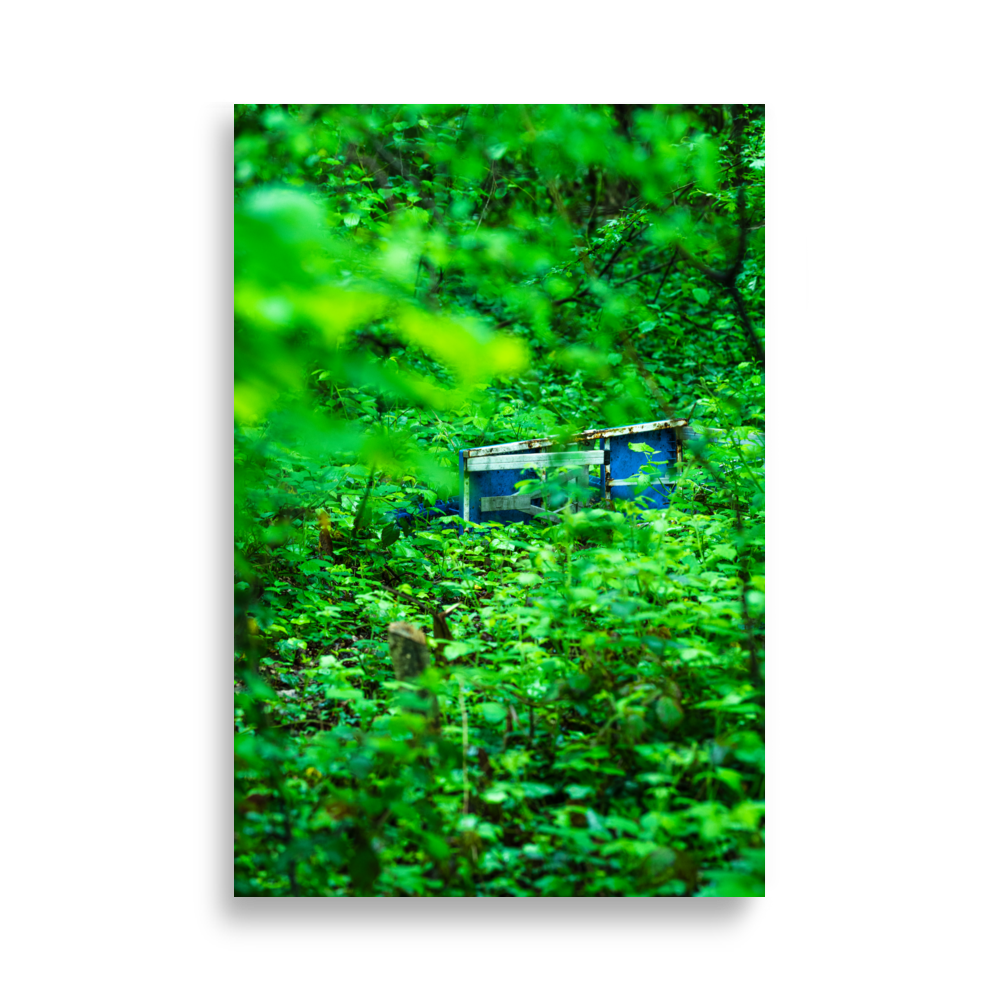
x,y
517,501
588,435
628,482
490,463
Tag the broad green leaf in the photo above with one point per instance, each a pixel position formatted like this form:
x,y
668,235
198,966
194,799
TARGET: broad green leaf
x,y
494,712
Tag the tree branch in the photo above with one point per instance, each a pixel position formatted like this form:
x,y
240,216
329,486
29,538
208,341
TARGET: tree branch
x,y
626,237
666,274
719,277
741,311
727,278
651,270
389,157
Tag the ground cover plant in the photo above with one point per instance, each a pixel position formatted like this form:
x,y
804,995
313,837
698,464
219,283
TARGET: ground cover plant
x,y
412,279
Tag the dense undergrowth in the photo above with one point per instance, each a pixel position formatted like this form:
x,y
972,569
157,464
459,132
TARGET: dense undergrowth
x,y
599,680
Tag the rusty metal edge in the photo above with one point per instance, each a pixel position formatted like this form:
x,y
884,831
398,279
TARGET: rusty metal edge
x,y
655,425
500,449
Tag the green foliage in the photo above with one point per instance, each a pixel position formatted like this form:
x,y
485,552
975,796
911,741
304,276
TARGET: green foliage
x,y
414,279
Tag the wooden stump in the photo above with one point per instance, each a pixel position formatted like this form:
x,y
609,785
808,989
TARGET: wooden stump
x,y
410,658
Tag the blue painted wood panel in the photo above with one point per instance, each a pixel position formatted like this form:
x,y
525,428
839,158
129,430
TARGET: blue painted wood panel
x,y
625,463
497,483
